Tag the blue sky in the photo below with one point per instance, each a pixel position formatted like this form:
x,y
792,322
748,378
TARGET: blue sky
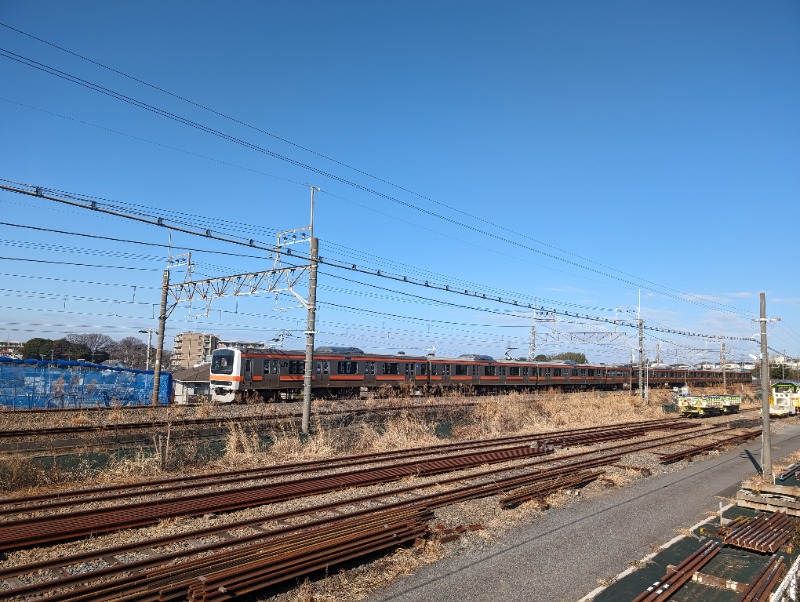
x,y
572,155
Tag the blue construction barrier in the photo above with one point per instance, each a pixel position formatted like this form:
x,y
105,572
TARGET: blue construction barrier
x,y
34,384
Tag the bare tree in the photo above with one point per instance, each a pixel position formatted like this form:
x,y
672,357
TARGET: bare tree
x,y
98,344
131,352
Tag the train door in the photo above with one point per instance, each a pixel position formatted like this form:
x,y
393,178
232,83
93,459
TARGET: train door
x,y
271,373
247,377
322,368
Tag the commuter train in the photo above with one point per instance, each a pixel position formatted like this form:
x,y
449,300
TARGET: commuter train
x,y
275,374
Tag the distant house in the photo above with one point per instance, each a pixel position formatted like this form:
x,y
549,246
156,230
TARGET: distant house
x,y
191,385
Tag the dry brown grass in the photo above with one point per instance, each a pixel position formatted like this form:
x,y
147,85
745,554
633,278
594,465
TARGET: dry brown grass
x,y
138,466
404,430
358,584
552,410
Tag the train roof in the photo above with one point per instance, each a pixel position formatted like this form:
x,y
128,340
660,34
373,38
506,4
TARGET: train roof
x,y
335,349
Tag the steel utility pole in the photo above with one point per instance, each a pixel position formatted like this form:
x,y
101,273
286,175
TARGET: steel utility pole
x,y
641,356
311,322
630,375
766,446
722,367
162,324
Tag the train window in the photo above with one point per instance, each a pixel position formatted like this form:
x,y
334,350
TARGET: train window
x,y
318,366
525,371
297,367
583,371
513,371
369,366
408,370
502,370
325,366
447,370
474,370
490,370
274,366
391,368
574,372
590,372
347,367
222,362
434,369
423,369
462,370
556,371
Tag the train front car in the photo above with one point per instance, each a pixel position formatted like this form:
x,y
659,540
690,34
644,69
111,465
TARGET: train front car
x,y
226,375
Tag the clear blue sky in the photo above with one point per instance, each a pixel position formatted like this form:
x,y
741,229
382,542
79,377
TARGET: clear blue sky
x,y
570,154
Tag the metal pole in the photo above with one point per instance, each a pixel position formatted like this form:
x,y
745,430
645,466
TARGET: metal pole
x,y
722,366
766,449
310,331
641,356
149,341
162,323
630,375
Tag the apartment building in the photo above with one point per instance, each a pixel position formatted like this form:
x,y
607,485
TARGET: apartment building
x,y
193,348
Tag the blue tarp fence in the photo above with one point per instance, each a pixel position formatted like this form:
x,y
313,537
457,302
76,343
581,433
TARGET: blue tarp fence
x,y
33,384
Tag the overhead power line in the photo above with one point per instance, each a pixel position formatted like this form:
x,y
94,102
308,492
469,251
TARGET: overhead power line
x,y
660,289
76,201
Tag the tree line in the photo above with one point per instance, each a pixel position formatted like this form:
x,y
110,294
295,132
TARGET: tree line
x,y
93,347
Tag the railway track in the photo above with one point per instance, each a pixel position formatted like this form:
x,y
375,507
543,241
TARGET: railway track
x,y
64,499
151,569
83,429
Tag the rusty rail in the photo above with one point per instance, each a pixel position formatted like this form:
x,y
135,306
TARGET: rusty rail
x,y
761,587
694,451
63,499
674,579
539,491
118,579
67,526
762,534
124,574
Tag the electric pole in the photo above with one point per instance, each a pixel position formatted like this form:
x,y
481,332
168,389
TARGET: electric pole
x,y
162,324
311,322
722,366
641,355
766,449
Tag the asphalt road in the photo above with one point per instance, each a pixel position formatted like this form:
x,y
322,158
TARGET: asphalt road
x,y
561,556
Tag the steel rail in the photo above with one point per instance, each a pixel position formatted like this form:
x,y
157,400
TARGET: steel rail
x,y
495,484
449,497
694,451
675,578
75,524
115,590
530,463
762,534
56,528
539,491
761,587
62,499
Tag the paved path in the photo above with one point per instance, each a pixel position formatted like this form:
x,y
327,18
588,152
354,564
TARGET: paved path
x,y
561,556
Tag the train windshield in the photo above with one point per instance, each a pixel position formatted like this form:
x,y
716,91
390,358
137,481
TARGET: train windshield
x,y
222,362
